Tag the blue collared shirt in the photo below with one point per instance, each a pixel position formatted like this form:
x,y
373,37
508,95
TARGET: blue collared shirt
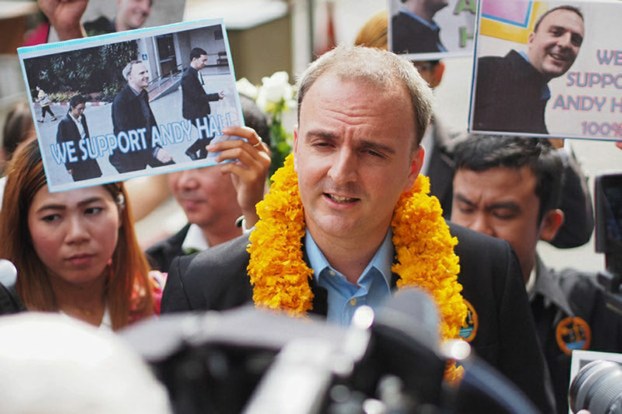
x,y
372,289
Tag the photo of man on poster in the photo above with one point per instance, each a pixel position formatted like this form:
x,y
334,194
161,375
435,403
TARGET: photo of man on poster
x,y
512,91
196,102
431,29
131,112
133,100
414,28
74,128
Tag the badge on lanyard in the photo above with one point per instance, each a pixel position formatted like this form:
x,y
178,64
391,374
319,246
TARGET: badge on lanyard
x,y
573,333
470,324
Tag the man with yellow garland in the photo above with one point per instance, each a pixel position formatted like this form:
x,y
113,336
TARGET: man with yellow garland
x,y
348,220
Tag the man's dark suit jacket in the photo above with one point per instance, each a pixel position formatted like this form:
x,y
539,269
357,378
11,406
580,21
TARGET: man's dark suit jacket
x,y
195,102
161,254
127,115
410,36
508,95
68,131
216,279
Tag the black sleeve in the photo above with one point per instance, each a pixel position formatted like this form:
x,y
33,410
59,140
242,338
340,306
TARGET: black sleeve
x,y
520,356
174,297
193,91
63,135
9,302
506,335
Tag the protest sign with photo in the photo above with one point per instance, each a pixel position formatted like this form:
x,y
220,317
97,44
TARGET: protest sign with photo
x,y
431,29
121,105
548,69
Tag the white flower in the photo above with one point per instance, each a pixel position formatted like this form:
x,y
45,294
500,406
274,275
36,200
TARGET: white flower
x,y
246,88
275,88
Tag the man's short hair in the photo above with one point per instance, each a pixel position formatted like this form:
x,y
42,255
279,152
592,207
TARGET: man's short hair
x,y
377,67
481,153
128,68
196,53
569,8
77,100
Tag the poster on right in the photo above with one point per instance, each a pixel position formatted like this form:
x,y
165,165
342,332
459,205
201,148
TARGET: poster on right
x,y
548,68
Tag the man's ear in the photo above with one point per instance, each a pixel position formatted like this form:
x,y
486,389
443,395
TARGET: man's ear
x,y
415,166
551,222
530,38
295,149
437,74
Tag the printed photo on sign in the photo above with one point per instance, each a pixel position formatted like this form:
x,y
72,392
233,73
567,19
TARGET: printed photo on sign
x,y
110,16
116,106
431,29
548,69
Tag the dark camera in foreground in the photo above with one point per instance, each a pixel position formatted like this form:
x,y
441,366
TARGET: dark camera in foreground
x,y
253,361
597,387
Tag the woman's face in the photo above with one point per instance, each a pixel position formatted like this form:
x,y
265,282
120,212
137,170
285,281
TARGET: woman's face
x,y
74,233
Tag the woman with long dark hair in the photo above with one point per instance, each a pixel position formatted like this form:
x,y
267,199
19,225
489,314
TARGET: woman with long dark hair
x,y
75,251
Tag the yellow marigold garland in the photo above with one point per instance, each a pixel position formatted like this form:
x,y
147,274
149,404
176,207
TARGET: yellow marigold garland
x,y
423,246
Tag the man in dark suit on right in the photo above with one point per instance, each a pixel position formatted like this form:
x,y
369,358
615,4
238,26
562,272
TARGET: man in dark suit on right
x,y
413,29
196,103
348,220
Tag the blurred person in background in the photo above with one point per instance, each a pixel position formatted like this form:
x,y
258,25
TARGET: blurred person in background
x,y
75,251
65,17
130,14
18,128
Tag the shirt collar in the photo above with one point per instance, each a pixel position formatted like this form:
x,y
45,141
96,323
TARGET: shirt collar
x,y
78,119
427,142
530,286
382,260
194,240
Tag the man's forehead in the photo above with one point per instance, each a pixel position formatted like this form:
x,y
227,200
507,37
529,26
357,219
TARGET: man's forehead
x,y
510,177
561,16
138,68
